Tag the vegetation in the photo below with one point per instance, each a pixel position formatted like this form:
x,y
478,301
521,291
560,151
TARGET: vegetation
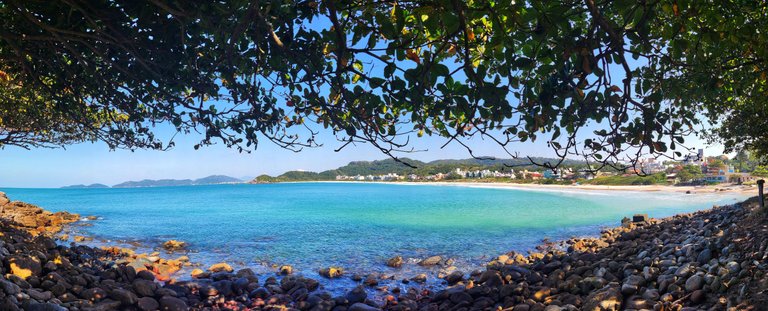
x,y
690,173
379,71
655,179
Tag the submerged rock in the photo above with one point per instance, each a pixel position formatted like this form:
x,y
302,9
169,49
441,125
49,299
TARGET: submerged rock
x,y
395,262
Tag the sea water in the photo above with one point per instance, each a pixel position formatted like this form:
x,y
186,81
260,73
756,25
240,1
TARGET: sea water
x,y
356,226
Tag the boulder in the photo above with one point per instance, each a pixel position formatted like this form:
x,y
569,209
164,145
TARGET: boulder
x,y
285,269
219,267
606,299
395,262
331,272
24,266
168,303
357,294
430,261
148,304
174,245
124,296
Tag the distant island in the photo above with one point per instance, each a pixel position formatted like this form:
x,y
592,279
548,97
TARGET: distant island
x,y
81,186
209,180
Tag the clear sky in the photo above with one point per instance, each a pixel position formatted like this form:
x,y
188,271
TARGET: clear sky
x,y
94,163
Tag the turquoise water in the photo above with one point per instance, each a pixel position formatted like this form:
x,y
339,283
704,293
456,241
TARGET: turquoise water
x,y
353,225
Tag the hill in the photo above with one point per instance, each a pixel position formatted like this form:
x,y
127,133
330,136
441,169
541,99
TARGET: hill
x,y
209,180
81,186
380,167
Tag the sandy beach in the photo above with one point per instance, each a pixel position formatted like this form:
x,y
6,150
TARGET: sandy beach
x,y
633,188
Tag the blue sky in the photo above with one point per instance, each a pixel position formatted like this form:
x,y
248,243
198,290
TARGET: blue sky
x,y
95,163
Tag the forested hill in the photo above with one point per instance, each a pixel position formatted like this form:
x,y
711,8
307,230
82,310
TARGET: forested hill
x,y
209,180
387,166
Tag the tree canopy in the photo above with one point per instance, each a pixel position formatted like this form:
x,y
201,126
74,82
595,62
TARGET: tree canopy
x,y
605,81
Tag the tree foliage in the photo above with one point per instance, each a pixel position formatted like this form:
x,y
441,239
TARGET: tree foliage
x,y
605,81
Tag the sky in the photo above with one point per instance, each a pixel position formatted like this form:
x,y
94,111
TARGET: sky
x,y
88,163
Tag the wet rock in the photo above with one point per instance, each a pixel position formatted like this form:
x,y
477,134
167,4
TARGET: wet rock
x,y
698,296
144,288
361,307
285,269
33,306
395,262
357,294
431,261
454,277
421,278
174,245
331,272
219,267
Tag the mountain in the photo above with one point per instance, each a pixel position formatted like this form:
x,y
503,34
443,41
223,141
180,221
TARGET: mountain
x,y
85,186
386,166
209,180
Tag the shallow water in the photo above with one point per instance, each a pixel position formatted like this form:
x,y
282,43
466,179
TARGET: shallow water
x,y
354,225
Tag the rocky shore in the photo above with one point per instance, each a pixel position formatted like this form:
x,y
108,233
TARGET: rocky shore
x,y
709,260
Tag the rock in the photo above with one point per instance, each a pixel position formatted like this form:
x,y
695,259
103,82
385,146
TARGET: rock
x,y
694,282
331,272
357,294
285,269
174,245
33,306
640,218
431,261
421,278
606,299
4,199
371,281
197,273
219,267
24,266
454,277
704,256
168,303
542,294
395,262
148,304
144,288
361,307
93,294
124,296
698,296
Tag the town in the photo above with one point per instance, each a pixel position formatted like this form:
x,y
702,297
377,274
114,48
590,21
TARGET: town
x,y
694,169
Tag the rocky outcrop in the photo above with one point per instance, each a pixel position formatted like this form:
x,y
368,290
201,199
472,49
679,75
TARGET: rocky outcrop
x,y
33,219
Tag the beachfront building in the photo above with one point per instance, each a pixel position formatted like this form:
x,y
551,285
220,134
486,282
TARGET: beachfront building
x,y
694,159
652,166
484,174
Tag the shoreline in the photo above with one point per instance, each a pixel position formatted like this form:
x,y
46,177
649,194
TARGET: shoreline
x,y
532,270
535,187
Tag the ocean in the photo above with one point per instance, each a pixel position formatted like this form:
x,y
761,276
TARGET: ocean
x,y
356,226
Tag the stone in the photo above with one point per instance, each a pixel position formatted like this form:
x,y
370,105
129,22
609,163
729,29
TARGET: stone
x,y
24,266
285,269
431,261
640,218
454,277
357,294
219,267
124,296
168,303
361,307
174,245
698,296
93,294
371,281
144,288
695,282
331,272
33,306
197,273
704,256
148,304
395,262
420,278
605,299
